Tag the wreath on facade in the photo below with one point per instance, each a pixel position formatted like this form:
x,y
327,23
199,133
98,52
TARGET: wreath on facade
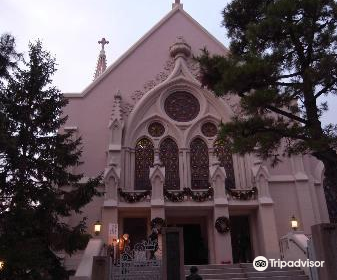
x,y
222,224
158,223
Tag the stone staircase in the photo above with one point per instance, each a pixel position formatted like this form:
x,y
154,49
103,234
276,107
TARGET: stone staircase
x,y
246,271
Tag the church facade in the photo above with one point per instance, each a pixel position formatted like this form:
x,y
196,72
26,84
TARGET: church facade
x,y
150,128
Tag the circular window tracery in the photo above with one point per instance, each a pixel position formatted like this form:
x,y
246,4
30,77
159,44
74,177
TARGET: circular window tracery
x,y
156,129
209,129
182,106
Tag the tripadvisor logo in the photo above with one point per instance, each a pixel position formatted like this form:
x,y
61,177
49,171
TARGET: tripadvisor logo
x,y
260,263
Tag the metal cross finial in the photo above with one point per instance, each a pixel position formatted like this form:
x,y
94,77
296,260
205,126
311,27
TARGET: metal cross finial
x,y
177,2
103,42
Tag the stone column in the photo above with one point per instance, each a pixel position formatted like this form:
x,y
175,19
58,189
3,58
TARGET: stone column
x,y
222,241
157,179
100,268
268,237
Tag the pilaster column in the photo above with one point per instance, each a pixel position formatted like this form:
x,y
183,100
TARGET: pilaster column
x,y
304,199
267,232
222,241
109,216
157,179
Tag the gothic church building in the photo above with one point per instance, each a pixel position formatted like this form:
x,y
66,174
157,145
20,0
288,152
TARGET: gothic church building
x,y
150,128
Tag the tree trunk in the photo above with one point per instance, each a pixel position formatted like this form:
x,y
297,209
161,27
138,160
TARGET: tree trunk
x,y
329,159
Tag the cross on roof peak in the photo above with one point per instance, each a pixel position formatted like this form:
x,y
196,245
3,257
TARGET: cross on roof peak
x,y
177,3
103,42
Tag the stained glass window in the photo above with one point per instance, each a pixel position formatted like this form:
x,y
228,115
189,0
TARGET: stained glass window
x,y
144,156
199,164
156,129
169,156
209,129
222,151
182,106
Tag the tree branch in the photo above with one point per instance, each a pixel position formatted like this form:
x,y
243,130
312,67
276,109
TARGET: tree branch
x,y
281,112
318,94
289,75
286,114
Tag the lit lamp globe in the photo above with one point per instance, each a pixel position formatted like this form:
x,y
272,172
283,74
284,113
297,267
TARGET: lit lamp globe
x,y
97,228
126,236
2,265
294,223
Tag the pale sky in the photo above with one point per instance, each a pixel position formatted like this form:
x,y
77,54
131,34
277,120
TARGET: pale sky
x,y
70,29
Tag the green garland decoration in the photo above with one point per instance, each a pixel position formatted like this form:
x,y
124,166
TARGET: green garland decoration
x,y
198,196
222,225
243,194
134,196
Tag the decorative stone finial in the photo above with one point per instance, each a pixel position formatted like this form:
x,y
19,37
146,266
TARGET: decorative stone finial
x,y
118,94
157,161
116,108
101,63
180,48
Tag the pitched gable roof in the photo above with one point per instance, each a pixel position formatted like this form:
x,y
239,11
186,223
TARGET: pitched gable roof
x,y
176,9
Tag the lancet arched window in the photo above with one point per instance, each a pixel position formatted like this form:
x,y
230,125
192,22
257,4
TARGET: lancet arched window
x,y
199,163
222,151
169,156
144,156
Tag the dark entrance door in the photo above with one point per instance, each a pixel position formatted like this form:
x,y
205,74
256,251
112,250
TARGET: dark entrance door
x,y
240,236
195,248
136,228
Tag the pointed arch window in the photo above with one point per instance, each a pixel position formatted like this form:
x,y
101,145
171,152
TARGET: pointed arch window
x,y
199,163
144,156
224,155
169,156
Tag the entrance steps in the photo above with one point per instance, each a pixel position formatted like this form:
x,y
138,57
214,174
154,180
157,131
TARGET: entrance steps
x,y
246,271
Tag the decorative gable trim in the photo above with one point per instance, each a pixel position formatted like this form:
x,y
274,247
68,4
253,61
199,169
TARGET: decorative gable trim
x,y
178,8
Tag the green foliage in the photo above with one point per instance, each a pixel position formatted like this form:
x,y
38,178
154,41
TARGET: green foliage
x,y
34,160
282,60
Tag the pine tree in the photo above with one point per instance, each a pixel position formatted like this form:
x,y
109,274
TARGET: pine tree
x,y
282,61
35,159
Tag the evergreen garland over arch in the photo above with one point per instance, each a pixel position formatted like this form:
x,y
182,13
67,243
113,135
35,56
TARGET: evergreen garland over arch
x,y
199,162
169,156
144,156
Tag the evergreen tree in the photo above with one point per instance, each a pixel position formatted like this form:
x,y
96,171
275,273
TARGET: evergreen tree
x,y
282,60
35,159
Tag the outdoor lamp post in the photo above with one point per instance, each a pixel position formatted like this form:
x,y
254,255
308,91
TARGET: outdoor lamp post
x,y
97,228
294,223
